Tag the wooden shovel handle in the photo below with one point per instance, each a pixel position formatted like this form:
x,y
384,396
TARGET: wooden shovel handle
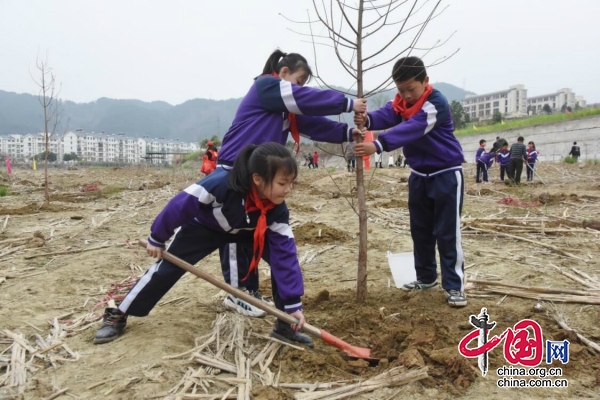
x,y
314,331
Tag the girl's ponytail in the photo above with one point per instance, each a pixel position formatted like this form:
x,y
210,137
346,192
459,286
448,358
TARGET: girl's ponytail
x,y
272,62
240,175
294,61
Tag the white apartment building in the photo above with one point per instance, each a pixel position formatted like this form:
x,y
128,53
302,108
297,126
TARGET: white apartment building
x,y
555,100
510,103
26,146
96,147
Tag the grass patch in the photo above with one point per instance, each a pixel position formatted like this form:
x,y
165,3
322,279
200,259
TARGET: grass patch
x,y
570,160
3,191
111,189
195,156
592,161
526,122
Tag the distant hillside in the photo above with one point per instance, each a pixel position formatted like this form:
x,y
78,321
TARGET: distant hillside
x,y
190,121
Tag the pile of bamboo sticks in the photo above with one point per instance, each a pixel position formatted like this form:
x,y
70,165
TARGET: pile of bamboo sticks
x,y
22,357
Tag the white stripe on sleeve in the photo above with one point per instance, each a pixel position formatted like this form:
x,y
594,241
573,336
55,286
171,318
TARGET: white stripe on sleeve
x,y
282,229
287,95
431,112
201,193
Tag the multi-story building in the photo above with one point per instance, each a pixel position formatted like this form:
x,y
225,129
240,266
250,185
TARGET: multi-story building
x,y
96,147
514,103
556,101
509,103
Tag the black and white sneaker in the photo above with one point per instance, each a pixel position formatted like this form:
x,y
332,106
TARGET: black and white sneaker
x,y
456,298
418,285
239,305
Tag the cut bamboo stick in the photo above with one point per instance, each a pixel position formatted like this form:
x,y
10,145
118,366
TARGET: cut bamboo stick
x,y
548,246
75,251
560,319
531,288
575,278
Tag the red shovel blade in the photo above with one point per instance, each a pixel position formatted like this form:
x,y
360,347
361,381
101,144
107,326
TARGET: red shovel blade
x,y
352,351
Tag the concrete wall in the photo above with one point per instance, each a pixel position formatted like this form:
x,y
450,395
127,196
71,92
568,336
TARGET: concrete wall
x,y
553,141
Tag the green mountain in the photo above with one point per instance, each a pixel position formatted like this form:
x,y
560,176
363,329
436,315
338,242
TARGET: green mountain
x,y
190,121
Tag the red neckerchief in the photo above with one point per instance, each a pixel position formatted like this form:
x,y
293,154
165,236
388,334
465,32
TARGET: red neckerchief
x,y
254,203
293,123
402,108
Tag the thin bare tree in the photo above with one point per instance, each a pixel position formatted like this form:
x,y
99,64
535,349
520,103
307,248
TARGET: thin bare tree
x,y
347,27
48,98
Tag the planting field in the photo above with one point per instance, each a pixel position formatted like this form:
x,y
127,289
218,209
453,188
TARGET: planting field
x,y
61,262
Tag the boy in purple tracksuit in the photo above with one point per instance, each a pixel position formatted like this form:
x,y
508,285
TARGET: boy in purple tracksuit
x,y
243,206
485,162
502,159
480,168
276,105
419,120
531,160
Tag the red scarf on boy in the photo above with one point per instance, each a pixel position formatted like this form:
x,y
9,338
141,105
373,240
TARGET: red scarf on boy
x,y
402,108
255,203
293,124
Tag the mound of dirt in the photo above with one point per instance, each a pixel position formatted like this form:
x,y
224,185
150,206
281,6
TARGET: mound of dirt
x,y
153,185
408,329
295,207
394,203
480,192
318,233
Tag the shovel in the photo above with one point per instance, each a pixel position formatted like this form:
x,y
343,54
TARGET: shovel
x,y
352,351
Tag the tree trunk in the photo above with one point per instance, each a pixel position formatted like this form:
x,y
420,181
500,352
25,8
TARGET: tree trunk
x,y
46,190
361,279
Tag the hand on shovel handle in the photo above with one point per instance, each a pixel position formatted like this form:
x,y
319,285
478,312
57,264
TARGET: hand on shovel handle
x,y
297,324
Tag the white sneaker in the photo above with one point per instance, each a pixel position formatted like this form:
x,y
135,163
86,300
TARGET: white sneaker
x,y
242,307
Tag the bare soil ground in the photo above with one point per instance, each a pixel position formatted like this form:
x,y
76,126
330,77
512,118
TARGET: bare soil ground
x,y
409,329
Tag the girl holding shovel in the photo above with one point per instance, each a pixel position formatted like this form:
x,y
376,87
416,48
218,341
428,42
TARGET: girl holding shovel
x,y
246,206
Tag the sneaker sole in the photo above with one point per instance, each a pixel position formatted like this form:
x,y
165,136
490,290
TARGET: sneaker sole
x,y
105,340
419,288
277,336
460,303
242,310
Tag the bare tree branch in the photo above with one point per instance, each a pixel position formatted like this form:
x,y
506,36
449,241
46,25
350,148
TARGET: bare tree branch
x,y
346,17
321,36
395,37
298,22
370,8
384,16
427,51
327,25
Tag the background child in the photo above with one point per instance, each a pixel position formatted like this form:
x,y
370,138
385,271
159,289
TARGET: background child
x,y
276,105
531,159
419,119
245,205
575,151
486,160
316,159
503,158
480,149
209,161
350,157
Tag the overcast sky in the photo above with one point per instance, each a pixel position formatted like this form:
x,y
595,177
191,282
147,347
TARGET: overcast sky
x,y
179,50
